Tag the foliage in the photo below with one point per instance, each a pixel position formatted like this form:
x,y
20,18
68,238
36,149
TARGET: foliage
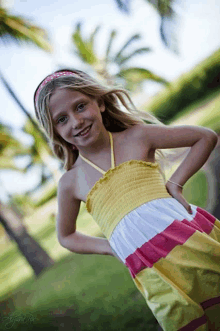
x,y
187,89
123,74
10,148
48,194
19,29
164,7
169,20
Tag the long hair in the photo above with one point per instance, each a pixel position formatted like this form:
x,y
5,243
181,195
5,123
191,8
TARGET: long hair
x,y
114,118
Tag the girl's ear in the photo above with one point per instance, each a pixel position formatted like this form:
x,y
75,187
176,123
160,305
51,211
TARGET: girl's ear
x,y
101,104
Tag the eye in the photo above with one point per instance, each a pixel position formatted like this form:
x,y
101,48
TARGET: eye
x,y
61,119
81,106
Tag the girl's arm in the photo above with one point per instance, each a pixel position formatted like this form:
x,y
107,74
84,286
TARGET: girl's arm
x,y
68,210
83,244
80,243
201,140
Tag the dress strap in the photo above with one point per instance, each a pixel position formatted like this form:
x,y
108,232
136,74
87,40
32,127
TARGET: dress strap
x,y
112,157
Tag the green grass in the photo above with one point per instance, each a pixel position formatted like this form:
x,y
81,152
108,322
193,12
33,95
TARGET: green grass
x,y
96,289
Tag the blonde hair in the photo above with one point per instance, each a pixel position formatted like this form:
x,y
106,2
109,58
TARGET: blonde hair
x,y
114,118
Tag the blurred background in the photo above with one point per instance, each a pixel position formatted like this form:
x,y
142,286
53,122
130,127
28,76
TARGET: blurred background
x,y
166,53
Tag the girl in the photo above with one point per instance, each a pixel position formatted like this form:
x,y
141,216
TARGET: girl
x,y
171,248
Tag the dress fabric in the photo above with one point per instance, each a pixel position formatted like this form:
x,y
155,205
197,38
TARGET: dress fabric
x,y
173,256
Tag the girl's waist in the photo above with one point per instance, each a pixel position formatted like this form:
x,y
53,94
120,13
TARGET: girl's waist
x,y
108,209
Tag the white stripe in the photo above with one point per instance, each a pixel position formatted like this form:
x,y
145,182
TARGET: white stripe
x,y
145,222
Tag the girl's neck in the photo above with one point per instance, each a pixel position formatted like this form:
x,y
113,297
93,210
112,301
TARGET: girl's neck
x,y
100,146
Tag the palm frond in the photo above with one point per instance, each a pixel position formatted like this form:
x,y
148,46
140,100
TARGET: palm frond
x,y
109,45
142,50
169,23
164,7
83,48
168,32
29,166
7,163
92,36
123,5
129,42
41,145
138,75
18,29
10,146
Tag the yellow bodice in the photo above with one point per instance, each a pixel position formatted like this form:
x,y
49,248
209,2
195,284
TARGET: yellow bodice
x,y
122,189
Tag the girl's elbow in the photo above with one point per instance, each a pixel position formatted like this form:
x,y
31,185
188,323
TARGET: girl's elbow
x,y
214,139
60,240
67,242
212,135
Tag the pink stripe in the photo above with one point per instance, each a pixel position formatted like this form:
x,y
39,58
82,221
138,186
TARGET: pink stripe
x,y
211,302
206,214
159,246
193,325
177,233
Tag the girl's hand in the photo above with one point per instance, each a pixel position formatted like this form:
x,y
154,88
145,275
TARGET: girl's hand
x,y
176,192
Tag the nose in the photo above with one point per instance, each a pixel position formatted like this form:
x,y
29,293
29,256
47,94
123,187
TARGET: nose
x,y
76,122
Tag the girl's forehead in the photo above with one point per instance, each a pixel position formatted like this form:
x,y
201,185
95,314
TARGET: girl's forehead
x,y
66,96
67,92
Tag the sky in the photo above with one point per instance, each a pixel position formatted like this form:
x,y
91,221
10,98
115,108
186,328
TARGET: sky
x,y
25,66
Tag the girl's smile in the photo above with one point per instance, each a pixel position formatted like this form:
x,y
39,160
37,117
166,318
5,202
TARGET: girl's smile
x,y
73,113
84,132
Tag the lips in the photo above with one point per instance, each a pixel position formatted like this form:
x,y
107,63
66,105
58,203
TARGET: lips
x,y
78,134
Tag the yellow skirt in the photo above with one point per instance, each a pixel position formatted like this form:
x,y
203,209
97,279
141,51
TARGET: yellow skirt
x,y
174,260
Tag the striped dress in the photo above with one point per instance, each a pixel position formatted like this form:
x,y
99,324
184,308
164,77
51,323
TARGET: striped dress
x,y
173,257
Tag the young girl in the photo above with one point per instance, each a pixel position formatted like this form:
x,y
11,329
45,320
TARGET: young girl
x,y
171,248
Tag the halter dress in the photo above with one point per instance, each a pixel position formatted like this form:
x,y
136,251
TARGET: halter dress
x,y
173,257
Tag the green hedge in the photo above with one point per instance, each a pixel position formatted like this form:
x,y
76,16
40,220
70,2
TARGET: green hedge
x,y
194,85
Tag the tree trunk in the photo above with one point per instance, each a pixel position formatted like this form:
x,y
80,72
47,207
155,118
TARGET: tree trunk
x,y
13,95
37,258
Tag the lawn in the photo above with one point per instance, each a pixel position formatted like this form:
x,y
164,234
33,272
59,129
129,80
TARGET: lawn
x,y
82,292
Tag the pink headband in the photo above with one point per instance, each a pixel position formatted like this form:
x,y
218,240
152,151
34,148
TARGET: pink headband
x,y
51,77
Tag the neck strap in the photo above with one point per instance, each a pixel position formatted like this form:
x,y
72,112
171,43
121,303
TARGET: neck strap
x,y
112,157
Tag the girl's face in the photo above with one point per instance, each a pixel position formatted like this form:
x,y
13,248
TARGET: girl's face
x,y
72,112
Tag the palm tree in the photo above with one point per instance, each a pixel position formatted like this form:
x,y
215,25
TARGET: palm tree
x,y
9,148
129,77
9,217
40,153
19,29
169,20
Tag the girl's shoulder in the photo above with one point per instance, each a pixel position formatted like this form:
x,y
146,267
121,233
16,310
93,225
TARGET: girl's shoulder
x,y
139,131
171,136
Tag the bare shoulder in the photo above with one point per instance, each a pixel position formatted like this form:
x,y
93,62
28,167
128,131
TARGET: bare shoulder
x,y
136,131
170,136
66,183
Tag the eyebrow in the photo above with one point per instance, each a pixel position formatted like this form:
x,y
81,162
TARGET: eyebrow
x,y
56,116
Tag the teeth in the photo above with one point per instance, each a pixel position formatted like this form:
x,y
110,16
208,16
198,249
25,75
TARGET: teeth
x,y
85,131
